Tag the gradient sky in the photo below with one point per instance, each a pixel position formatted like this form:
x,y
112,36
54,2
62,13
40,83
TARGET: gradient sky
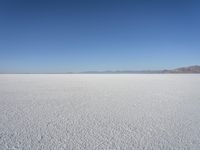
x,y
81,35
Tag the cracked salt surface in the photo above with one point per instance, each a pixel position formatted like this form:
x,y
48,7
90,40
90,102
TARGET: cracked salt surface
x,y
99,112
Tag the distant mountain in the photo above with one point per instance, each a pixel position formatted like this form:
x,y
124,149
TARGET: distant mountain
x,y
190,69
184,70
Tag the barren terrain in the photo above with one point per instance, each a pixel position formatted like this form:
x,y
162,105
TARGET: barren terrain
x,y
100,112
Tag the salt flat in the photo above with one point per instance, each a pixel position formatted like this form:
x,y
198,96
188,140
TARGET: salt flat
x,y
100,112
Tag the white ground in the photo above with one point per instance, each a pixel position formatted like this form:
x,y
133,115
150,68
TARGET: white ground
x,y
99,112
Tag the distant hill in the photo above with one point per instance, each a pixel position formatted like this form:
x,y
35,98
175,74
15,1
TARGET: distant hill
x,y
191,69
183,70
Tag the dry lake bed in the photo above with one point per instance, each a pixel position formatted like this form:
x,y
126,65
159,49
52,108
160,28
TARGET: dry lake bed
x,y
107,111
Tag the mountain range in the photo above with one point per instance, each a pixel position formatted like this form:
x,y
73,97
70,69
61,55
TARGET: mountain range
x,y
183,70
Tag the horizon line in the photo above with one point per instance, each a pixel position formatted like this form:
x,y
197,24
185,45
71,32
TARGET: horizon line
x,y
146,71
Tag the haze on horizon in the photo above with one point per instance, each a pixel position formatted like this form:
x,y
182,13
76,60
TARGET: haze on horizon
x,y
63,36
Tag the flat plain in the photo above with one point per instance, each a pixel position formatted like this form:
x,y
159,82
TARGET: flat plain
x,y
105,111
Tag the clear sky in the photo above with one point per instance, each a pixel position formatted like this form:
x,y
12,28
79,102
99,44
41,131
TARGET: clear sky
x,y
81,35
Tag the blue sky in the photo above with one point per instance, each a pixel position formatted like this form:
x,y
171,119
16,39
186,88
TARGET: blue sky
x,y
81,35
